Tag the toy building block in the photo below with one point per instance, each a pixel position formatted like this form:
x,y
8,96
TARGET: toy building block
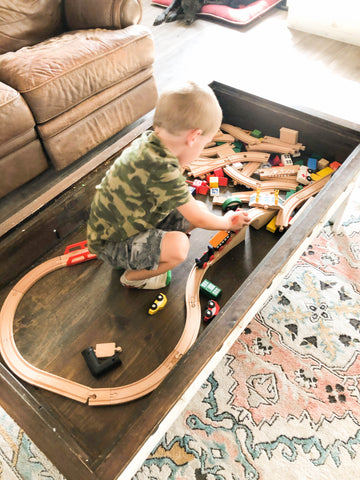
x,y
203,189
325,171
322,163
289,193
197,184
214,192
315,176
286,159
289,136
276,161
223,181
192,190
299,162
238,146
213,182
271,226
312,163
256,133
218,172
209,289
335,165
316,155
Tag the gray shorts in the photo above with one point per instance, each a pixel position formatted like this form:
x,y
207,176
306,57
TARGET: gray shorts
x,y
142,251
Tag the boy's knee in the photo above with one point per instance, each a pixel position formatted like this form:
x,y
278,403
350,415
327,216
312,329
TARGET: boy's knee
x,y
176,246
182,247
185,246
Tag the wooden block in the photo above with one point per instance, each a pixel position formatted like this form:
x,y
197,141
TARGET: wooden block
x,y
325,171
213,182
335,165
322,163
271,226
289,136
315,176
223,181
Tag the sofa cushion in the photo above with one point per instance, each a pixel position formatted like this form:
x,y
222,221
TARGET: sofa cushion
x,y
66,140
16,120
60,73
21,166
26,22
103,14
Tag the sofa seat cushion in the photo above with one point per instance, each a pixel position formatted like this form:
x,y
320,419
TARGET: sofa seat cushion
x,y
21,166
74,134
16,120
60,73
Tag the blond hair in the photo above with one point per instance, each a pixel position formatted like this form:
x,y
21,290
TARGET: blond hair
x,y
188,107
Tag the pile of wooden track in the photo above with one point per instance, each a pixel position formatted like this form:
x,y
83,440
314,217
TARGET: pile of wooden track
x,y
246,169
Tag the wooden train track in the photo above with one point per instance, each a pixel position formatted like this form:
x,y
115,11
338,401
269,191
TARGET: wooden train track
x,y
103,396
202,166
283,183
240,134
298,198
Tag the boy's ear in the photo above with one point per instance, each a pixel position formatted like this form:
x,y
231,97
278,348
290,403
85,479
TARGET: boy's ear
x,y
193,135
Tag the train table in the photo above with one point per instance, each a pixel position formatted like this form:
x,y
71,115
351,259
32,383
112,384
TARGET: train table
x,y
60,321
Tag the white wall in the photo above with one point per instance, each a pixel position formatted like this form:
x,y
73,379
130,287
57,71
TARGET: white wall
x,y
337,19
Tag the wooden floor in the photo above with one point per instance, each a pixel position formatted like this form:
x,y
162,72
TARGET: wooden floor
x,y
265,58
53,323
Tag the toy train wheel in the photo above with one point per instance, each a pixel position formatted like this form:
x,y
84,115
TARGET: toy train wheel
x,y
231,203
211,304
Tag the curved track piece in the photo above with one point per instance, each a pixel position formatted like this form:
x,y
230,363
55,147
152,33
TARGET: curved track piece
x,y
283,217
83,393
282,183
204,165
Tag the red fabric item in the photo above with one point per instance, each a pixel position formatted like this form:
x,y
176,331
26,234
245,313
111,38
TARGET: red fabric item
x,y
242,15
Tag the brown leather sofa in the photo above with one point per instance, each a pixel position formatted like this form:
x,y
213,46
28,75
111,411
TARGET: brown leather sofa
x,y
73,73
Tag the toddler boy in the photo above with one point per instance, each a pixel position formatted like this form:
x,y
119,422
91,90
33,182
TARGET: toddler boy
x,y
142,210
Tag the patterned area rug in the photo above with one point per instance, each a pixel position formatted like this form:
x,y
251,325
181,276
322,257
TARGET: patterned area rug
x,y
284,402
20,459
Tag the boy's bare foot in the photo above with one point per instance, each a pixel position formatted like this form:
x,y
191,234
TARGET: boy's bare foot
x,y
152,283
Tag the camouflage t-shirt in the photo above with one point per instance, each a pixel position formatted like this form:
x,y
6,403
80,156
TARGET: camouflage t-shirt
x,y
141,188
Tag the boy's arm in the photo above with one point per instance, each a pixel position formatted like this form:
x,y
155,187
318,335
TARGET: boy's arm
x,y
203,218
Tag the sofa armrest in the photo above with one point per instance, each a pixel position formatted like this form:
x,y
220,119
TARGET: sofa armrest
x,y
112,14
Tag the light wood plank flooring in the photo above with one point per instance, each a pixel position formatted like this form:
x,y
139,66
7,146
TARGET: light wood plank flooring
x,y
265,58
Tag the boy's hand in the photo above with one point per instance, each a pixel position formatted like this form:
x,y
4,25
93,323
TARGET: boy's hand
x,y
238,219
